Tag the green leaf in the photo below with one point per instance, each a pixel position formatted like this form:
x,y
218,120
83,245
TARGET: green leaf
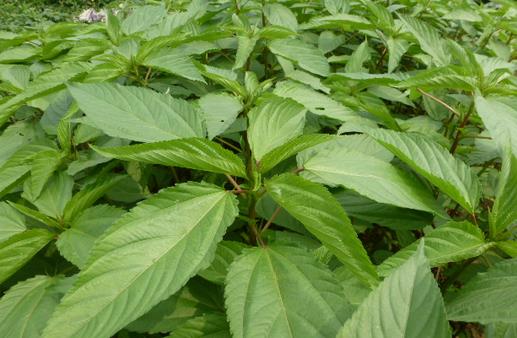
x,y
428,38
89,195
165,227
43,166
44,84
272,123
11,177
439,78
291,148
435,163
36,215
137,114
396,49
211,325
263,291
396,218
225,254
371,177
407,304
451,242
11,222
280,15
304,55
245,46
316,102
19,249
360,55
488,297
194,153
504,213
142,18
500,119
173,61
196,298
76,242
321,214
26,307
220,111
55,196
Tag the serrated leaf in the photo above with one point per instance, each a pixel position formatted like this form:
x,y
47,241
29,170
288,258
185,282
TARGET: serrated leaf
x,y
53,199
191,153
488,297
225,254
11,222
396,49
316,102
407,304
280,15
289,149
504,212
396,218
89,195
321,214
451,242
137,114
45,84
173,61
428,38
199,214
75,243
272,278
371,177
245,46
272,123
500,119
26,307
435,163
142,18
304,55
43,166
211,325
12,176
220,111
194,299
360,55
19,249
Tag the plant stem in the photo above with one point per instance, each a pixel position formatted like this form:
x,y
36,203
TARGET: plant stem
x,y
434,98
274,215
463,123
236,185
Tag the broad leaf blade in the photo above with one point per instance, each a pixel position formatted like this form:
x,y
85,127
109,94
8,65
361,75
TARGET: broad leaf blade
x,y
137,114
322,215
175,62
132,283
500,120
371,177
304,55
407,304
76,242
316,102
451,242
504,212
19,249
194,153
291,148
435,163
272,123
26,307
488,297
272,278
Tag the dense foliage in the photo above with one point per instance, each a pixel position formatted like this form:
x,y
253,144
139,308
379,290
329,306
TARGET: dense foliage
x,y
262,169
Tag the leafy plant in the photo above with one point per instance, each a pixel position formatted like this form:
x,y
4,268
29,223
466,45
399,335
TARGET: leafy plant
x,y
262,169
